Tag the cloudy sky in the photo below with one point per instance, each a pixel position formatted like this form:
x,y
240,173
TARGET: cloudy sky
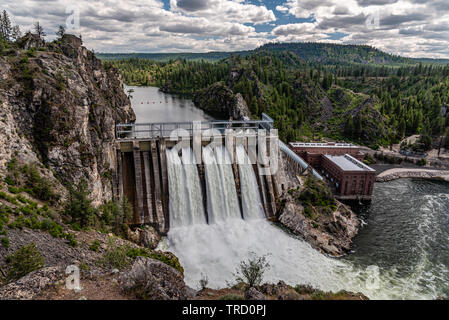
x,y
416,28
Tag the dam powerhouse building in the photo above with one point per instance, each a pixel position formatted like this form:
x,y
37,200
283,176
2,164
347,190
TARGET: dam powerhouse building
x,y
341,164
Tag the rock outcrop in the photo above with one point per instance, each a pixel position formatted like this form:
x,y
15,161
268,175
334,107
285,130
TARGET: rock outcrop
x,y
27,287
151,279
330,233
221,102
308,209
59,107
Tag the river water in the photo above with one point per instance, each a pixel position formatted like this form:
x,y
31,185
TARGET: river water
x,y
401,252
152,105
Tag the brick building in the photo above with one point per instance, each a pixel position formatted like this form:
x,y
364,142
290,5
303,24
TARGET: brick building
x,y
341,164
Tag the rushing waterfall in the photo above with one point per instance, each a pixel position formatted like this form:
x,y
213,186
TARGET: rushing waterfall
x,y
179,216
228,183
185,198
251,204
193,187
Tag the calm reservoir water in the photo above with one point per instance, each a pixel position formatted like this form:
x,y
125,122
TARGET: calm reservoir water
x,y
152,105
401,252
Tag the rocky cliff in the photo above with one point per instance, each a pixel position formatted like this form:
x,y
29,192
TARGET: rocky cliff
x,y
59,107
220,101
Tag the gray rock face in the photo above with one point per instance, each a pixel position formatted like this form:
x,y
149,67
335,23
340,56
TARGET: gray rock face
x,y
27,287
153,280
63,115
149,237
253,294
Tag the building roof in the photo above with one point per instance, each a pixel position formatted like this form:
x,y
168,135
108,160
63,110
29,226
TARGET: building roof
x,y
348,163
322,145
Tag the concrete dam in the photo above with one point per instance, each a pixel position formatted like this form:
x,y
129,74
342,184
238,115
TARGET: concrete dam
x,y
185,173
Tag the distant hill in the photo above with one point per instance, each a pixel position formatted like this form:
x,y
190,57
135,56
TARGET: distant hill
x,y
314,53
209,56
336,54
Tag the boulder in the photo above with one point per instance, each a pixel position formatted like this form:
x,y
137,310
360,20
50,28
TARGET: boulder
x,y
253,294
149,237
153,280
27,287
289,294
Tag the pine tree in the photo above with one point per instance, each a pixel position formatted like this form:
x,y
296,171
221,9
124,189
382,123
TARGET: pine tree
x,y
39,30
5,25
61,31
16,34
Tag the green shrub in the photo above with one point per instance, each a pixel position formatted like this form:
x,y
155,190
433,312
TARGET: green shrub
x,y
4,218
115,256
252,271
79,206
95,246
10,181
23,261
137,252
22,199
39,187
14,190
52,227
5,242
70,237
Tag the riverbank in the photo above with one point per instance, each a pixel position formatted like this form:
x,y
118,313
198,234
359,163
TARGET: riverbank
x,y
398,173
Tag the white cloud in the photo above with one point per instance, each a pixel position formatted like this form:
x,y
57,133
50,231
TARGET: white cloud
x,y
409,27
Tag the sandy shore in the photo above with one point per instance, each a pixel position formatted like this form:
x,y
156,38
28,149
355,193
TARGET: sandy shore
x,y
397,173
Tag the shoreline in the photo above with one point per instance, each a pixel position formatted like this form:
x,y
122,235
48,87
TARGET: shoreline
x,y
399,173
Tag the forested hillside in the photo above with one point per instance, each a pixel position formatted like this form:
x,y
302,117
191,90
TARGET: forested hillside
x,y
377,99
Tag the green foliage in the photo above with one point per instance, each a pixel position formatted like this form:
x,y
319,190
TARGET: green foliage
x,y
4,218
70,237
115,256
95,246
79,205
315,197
23,261
252,271
5,242
37,186
117,214
52,227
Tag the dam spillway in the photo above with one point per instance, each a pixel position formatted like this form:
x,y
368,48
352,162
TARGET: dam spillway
x,y
194,180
